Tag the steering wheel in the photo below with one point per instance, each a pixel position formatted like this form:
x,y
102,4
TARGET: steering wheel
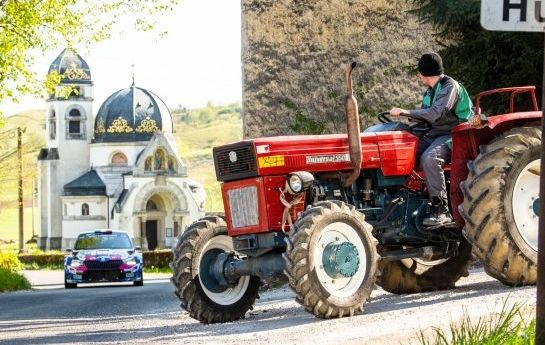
x,y
419,126
384,117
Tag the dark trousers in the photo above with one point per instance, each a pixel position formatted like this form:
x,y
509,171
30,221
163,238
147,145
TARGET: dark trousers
x,y
434,153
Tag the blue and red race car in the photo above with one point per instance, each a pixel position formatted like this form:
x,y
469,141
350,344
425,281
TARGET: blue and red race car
x,y
103,256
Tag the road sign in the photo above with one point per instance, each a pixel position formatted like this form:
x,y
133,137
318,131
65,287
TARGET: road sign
x,y
513,15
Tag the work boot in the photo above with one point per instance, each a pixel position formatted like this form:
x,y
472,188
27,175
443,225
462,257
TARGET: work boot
x,y
439,214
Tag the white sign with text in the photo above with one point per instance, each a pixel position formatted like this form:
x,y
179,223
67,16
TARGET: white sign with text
x,y
513,15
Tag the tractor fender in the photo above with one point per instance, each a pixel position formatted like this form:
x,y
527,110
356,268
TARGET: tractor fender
x,y
466,142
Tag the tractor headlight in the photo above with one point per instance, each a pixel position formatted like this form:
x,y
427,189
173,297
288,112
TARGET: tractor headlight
x,y
299,181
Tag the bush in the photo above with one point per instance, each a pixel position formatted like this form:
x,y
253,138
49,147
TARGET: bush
x,y
158,258
11,281
10,262
43,259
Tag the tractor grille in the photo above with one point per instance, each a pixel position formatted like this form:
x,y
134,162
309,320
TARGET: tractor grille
x,y
244,206
234,162
108,265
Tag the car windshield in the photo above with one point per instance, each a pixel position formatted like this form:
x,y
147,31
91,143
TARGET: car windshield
x,y
103,241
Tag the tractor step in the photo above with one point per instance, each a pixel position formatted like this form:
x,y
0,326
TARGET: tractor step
x,y
451,225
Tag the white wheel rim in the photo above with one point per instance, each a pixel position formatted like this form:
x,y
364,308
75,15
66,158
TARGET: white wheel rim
x,y
340,232
232,294
525,201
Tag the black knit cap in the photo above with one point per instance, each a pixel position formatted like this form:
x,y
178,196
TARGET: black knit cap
x,y
430,65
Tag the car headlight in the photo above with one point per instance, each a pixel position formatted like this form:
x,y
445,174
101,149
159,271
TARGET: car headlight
x,y
299,181
130,262
75,263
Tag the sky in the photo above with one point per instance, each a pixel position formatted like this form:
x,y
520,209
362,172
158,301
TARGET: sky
x,y
198,61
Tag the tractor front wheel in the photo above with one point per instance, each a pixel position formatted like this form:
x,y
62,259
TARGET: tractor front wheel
x,y
331,260
204,298
501,205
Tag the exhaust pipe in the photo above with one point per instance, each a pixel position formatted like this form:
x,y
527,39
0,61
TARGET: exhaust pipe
x,y
352,126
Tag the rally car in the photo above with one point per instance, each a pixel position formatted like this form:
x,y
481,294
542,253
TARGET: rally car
x,y
103,256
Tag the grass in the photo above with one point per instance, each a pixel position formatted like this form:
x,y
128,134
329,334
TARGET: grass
x,y
153,269
9,224
195,146
11,281
505,328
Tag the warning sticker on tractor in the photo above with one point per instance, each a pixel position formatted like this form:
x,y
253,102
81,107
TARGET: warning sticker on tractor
x,y
271,161
343,157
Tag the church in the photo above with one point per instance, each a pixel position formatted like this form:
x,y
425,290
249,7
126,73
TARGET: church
x,y
117,170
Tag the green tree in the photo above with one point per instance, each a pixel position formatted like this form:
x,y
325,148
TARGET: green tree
x,y
31,26
481,59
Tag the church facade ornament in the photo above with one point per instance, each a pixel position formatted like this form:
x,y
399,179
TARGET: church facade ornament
x,y
147,125
75,73
100,128
120,125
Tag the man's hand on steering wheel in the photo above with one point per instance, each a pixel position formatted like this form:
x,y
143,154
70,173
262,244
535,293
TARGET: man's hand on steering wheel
x,y
396,112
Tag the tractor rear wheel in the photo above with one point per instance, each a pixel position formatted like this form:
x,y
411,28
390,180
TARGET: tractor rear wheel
x,y
202,296
331,260
418,275
501,205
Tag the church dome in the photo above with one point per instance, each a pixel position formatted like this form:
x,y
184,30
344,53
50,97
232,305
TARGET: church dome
x,y
131,114
71,67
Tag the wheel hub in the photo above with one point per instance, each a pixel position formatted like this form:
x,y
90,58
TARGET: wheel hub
x,y
208,271
341,259
535,206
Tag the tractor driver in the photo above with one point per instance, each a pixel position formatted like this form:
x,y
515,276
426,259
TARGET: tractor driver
x,y
445,104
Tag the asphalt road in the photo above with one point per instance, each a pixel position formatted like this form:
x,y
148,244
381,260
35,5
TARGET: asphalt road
x,y
124,314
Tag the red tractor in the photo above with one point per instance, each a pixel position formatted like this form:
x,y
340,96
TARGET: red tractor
x,y
337,214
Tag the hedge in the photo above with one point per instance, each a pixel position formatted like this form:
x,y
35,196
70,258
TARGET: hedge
x,y
158,258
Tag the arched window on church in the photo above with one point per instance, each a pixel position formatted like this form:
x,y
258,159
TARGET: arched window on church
x,y
160,162
84,209
148,163
74,124
52,126
119,159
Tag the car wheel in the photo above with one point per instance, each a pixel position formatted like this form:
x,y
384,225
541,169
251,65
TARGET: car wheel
x,y
68,285
139,282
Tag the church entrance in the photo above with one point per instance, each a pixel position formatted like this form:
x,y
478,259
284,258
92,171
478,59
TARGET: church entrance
x,y
151,234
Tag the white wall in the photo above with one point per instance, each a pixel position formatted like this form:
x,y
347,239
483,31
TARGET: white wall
x,y
73,222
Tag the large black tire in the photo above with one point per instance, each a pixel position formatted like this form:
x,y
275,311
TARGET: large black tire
x,y
202,304
68,285
417,275
307,278
139,282
488,206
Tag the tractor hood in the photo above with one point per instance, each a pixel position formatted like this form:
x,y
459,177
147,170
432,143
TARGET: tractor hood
x,y
392,152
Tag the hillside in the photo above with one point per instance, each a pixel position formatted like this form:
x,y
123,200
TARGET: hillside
x,y
33,125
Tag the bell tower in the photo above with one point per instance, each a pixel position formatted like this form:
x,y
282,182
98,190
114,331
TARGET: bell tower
x,y
69,130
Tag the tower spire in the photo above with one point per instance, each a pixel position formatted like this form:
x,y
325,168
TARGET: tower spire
x,y
132,74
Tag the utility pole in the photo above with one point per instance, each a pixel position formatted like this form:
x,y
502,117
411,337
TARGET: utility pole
x,y
20,178
540,303
33,196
